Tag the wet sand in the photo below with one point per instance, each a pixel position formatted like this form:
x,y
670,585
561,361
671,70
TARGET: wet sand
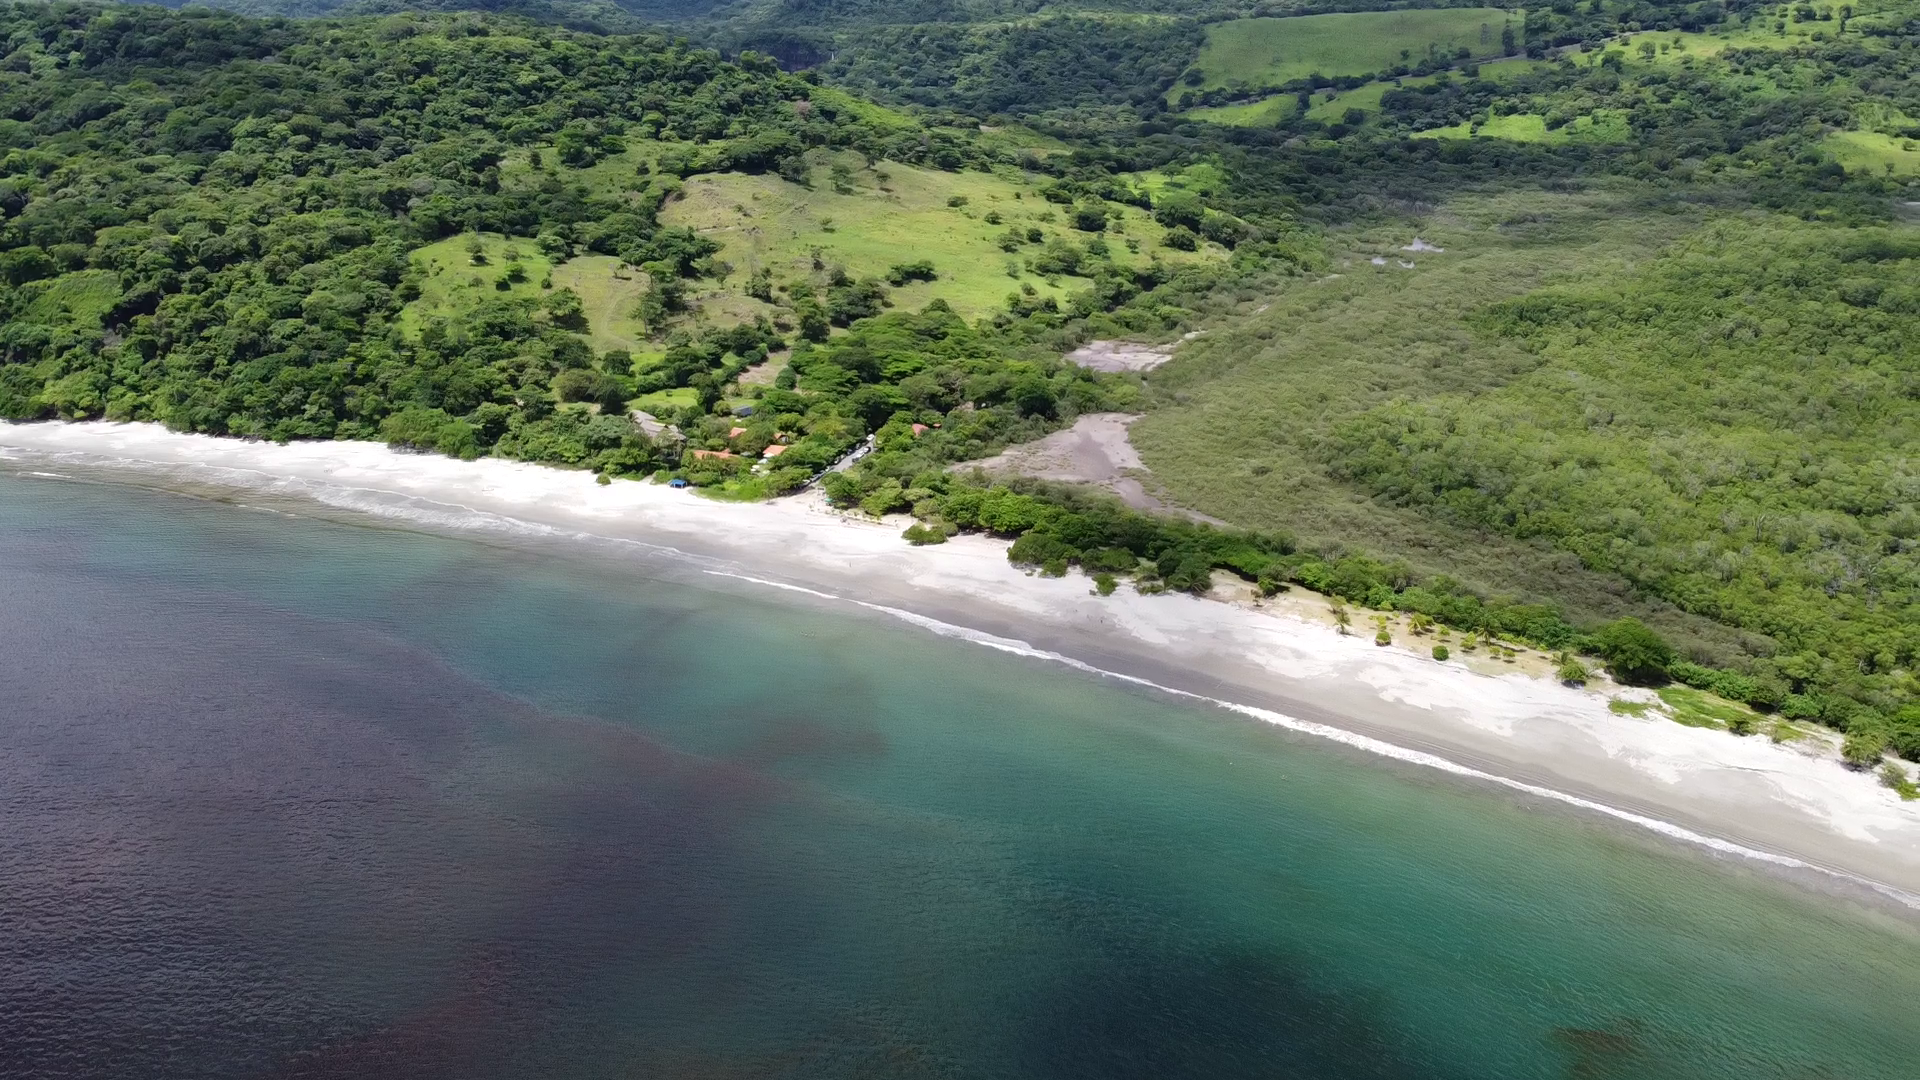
x,y
1275,663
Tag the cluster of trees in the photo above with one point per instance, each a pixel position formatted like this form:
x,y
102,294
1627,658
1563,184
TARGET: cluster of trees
x,y
1725,430
925,384
1019,68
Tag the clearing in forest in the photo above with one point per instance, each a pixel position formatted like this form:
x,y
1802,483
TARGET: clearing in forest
x,y
1270,52
460,272
867,220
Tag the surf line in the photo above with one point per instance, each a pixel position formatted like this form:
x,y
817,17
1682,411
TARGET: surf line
x,y
425,511
1348,738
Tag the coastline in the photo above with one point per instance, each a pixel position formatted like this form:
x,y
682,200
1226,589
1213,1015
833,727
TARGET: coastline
x,y
1526,735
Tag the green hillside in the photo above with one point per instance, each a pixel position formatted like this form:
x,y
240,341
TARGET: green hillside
x,y
1273,52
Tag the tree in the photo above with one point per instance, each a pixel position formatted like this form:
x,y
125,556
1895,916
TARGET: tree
x,y
566,309
1634,653
1863,748
1571,671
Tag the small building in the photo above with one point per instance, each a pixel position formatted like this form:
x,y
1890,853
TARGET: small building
x,y
714,454
744,410
919,430
774,451
734,433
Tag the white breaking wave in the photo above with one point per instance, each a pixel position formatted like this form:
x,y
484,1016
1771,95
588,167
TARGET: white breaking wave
x,y
439,493
1349,738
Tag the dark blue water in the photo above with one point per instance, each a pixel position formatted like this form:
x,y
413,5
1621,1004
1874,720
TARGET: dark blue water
x,y
289,798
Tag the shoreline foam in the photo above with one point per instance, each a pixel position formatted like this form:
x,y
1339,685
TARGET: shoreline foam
x,y
1732,796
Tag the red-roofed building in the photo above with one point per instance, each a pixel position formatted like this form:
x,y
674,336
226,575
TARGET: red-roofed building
x,y
736,432
714,454
775,450
919,430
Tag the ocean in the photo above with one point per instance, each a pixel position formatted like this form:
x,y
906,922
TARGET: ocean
x,y
284,794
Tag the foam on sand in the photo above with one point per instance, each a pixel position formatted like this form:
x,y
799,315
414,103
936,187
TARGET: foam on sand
x,y
1744,797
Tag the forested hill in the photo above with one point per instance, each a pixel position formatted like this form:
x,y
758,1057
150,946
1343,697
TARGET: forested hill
x,y
208,218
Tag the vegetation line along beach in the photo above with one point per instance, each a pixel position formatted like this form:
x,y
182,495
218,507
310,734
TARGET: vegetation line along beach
x,y
1747,796
1565,352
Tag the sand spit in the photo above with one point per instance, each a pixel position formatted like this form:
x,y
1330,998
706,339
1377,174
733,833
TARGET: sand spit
x,y
1744,797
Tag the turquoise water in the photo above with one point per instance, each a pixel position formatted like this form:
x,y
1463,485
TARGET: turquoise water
x,y
289,797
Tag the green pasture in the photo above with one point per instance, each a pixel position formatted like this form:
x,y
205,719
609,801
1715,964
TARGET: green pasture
x,y
870,219
1267,51
1603,125
1872,152
454,283
455,279
1263,113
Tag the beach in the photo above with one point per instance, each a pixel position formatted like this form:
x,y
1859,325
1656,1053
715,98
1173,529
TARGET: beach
x,y
1800,812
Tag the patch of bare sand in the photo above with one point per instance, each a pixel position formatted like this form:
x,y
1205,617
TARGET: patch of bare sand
x,y
1095,451
1120,356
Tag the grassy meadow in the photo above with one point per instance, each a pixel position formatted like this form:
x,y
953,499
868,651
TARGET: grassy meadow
x,y
863,218
1263,113
1599,126
1874,152
870,219
1265,51
461,271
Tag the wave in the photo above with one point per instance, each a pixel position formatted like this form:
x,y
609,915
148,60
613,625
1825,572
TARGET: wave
x,y
456,516
1353,739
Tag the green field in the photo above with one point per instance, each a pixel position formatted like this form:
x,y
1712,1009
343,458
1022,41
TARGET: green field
x,y
887,215
859,218
456,279
1270,52
1874,153
454,283
1603,125
1263,113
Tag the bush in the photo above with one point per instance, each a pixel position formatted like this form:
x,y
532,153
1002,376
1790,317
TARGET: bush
x,y
1440,652
920,535
1634,653
1090,217
1182,238
1383,638
1572,672
1039,549
1863,748
902,273
1104,584
1895,777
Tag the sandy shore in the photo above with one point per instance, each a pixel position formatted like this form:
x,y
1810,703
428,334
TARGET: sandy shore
x,y
1742,797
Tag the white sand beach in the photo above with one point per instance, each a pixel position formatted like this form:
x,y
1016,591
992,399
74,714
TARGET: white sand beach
x,y
1747,798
